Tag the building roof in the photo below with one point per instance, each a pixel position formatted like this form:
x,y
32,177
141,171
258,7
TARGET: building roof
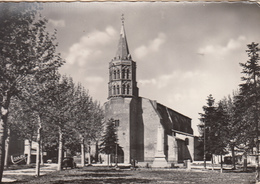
x,y
122,49
171,120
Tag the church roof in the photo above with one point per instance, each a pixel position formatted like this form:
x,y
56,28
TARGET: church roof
x,y
122,49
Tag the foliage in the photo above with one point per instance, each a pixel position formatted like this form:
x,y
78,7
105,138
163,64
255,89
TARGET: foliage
x,y
61,101
21,120
97,119
60,109
109,139
236,118
26,51
220,130
207,120
82,114
213,127
248,98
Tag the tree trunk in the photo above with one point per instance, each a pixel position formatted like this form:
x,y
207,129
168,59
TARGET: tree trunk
x,y
221,164
245,161
82,152
2,147
59,168
212,162
29,156
3,129
108,159
37,172
42,163
96,153
233,157
7,148
89,155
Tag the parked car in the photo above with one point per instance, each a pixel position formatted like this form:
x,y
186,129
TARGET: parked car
x,y
68,162
52,160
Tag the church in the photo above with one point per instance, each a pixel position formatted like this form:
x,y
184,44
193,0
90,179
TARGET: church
x,y
148,132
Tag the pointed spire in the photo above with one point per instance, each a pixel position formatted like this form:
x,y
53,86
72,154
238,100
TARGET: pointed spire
x,y
122,49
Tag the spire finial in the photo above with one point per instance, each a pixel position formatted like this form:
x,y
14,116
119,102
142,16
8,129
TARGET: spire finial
x,y
122,19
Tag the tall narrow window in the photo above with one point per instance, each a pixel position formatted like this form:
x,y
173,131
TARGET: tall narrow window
x,y
128,89
114,74
123,73
118,74
123,89
114,90
127,73
118,89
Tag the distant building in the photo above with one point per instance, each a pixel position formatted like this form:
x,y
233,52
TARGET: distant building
x,y
148,131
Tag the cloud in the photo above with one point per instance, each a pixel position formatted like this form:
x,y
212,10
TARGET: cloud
x,y
153,46
231,45
147,81
94,83
165,81
90,46
221,64
94,79
185,90
57,23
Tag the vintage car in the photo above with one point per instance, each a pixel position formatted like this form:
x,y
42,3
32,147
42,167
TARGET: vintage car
x,y
68,162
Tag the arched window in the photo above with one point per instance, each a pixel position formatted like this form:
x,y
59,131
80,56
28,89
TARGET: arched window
x,y
123,73
118,89
118,74
128,89
127,73
123,89
114,74
114,90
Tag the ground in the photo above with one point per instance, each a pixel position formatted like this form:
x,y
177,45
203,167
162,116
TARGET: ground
x,y
98,175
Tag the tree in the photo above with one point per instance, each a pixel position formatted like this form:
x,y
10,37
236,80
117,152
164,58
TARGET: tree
x,y
25,49
97,125
36,93
61,107
214,128
232,131
220,128
87,120
50,139
109,139
243,106
82,118
207,120
250,96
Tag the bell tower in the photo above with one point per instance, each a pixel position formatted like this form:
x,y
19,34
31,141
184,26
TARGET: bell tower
x,y
122,71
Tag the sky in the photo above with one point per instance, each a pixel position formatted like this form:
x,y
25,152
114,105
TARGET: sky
x,y
184,51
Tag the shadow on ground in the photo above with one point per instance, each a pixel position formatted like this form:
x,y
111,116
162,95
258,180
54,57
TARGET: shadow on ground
x,y
241,170
98,175
96,181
